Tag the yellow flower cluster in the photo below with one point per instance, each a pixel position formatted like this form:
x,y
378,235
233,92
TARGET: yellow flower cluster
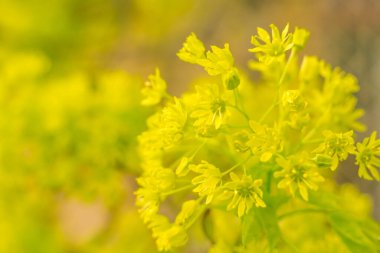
x,y
223,147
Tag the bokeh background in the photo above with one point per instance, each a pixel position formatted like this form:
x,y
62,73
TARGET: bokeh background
x,y
70,74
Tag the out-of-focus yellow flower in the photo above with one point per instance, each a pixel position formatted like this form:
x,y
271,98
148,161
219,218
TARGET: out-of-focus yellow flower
x,y
154,90
367,157
168,236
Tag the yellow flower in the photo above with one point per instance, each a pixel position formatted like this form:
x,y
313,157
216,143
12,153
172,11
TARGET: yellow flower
x,y
218,61
367,157
271,47
246,193
208,181
300,37
193,50
152,186
188,210
173,237
154,90
298,174
337,146
168,236
293,101
211,107
264,141
172,121
150,144
148,202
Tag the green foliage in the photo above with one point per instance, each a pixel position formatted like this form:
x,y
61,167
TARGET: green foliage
x,y
262,151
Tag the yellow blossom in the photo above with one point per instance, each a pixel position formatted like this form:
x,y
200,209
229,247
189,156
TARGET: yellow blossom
x,y
367,157
208,180
246,193
298,174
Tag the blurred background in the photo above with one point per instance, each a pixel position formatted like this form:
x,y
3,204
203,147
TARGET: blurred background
x,y
70,74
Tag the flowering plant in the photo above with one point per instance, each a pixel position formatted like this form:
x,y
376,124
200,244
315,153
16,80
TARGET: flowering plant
x,y
258,155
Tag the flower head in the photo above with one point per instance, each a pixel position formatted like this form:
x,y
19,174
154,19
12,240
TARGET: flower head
x,y
189,208
174,236
207,181
193,50
152,185
148,202
168,236
298,174
294,106
264,141
271,47
337,146
218,61
172,121
211,108
367,157
293,101
300,37
246,193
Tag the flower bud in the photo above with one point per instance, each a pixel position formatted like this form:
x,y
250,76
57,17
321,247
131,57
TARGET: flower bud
x,y
231,79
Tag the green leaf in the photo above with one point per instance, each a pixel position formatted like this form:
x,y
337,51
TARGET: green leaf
x,y
372,231
259,223
354,234
251,229
359,235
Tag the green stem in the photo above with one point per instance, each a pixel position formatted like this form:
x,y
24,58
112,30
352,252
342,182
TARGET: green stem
x,y
237,106
317,126
239,110
195,217
183,188
291,56
279,93
269,110
191,157
236,165
236,94
198,149
269,181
